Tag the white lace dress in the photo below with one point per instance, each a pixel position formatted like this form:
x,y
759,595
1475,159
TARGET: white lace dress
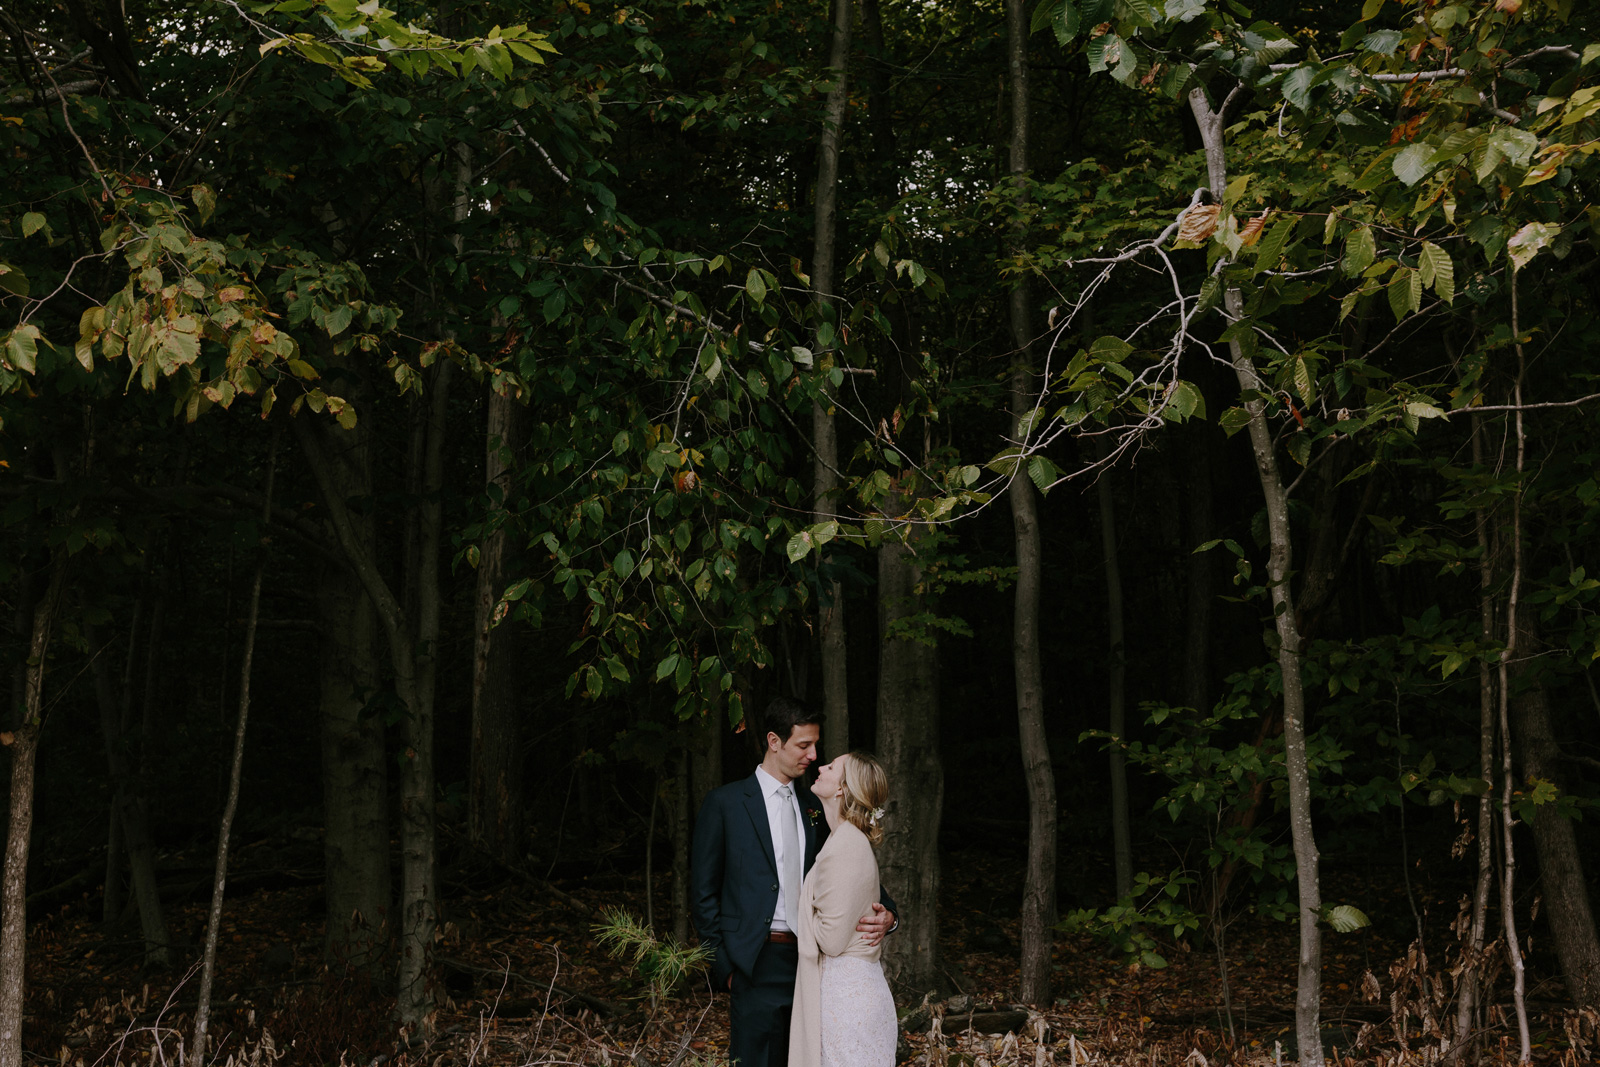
x,y
859,1026
843,1010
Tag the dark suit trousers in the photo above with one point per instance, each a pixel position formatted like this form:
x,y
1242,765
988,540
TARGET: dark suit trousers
x,y
758,1013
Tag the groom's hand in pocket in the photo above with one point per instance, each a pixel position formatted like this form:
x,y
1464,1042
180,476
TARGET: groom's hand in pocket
x,y
875,924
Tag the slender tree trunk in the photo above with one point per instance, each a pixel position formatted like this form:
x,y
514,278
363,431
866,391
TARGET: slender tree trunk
x,y
825,482
908,746
678,825
1039,883
705,758
880,114
1472,951
23,747
355,774
1561,876
112,728
1308,994
418,853
127,813
1202,569
219,882
1508,900
1122,847
494,798
355,767
111,901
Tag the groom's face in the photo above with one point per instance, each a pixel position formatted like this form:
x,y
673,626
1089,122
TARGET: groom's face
x,y
791,758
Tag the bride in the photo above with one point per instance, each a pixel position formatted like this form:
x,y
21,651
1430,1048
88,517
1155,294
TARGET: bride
x,y
843,1011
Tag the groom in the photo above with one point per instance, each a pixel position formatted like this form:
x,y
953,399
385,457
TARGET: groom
x,y
753,844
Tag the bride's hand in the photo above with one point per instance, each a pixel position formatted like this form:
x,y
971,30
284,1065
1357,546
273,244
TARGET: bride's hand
x,y
875,924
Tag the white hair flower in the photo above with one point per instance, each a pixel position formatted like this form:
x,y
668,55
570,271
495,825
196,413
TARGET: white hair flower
x,y
877,816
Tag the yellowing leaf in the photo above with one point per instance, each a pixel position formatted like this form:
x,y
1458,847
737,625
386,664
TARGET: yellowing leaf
x,y
1198,223
1529,242
1252,229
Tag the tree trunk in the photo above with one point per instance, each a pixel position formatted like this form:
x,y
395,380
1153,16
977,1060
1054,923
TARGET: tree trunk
x,y
880,115
113,722
1478,932
111,899
416,681
494,798
24,749
219,881
908,745
1039,883
1121,847
1561,877
355,772
1508,876
1202,568
705,758
678,828
127,813
825,482
1308,994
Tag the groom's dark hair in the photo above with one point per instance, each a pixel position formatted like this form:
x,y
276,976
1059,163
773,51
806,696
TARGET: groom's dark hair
x,y
783,714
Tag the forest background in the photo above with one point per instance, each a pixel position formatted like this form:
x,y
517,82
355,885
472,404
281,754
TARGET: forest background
x,y
1162,431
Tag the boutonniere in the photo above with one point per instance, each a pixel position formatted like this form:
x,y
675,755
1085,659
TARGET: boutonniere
x,y
812,815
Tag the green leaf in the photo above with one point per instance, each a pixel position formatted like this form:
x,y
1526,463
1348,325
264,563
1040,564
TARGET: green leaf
x,y
1412,165
1347,918
1304,382
1455,144
1042,473
623,564
1530,241
1348,302
1381,42
666,666
1186,401
22,347
1141,11
1270,250
205,199
1233,420
32,223
1422,410
13,280
1065,24
1110,349
1297,87
1005,462
1360,249
1094,12
1438,271
754,285
1401,299
798,546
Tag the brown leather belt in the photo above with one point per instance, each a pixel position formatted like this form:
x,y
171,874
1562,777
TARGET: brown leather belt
x,y
782,937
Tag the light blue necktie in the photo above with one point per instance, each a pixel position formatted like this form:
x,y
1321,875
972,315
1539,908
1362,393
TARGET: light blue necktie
x,y
792,858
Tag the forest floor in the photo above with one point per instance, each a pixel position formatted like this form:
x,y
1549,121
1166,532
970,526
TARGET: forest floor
x,y
524,983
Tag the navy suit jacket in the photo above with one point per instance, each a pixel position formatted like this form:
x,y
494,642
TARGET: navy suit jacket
x,y
733,878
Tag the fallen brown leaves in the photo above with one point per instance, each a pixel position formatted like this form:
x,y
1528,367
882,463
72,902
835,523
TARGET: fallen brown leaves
x,y
521,982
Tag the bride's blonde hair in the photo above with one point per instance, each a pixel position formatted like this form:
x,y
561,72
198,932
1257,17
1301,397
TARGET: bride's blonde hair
x,y
866,791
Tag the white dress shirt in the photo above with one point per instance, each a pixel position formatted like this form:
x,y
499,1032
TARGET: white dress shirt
x,y
771,791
